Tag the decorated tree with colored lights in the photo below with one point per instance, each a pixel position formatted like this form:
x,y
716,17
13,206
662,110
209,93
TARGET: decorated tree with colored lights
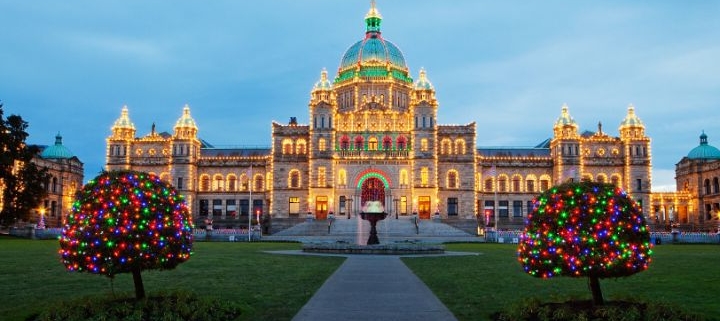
x,y
585,229
126,222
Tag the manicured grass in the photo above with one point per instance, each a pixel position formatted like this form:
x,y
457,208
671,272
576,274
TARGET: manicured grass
x,y
273,287
473,287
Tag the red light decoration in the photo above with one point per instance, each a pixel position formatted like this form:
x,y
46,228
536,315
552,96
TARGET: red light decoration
x,y
585,230
126,221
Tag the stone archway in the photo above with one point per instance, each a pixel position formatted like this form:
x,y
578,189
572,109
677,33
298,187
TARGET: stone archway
x,y
372,189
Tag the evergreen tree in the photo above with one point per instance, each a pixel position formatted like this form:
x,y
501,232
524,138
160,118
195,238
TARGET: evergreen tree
x,y
585,229
20,178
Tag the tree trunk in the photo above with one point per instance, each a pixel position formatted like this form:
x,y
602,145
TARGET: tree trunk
x,y
139,288
594,284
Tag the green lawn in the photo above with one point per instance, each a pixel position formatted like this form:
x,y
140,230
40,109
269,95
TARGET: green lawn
x,y
473,287
273,286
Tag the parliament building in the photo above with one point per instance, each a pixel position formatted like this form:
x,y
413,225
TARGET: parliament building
x,y
374,132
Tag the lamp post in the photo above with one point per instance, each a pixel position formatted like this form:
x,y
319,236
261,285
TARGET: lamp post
x,y
350,207
395,200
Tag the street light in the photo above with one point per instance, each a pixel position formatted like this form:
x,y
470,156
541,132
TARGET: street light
x,y
349,201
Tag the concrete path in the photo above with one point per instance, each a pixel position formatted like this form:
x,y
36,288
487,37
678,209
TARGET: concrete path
x,y
373,287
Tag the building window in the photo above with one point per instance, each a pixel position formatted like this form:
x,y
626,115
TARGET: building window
x,y
372,143
489,208
517,209
230,208
615,180
180,183
294,206
205,183
232,183
387,143
342,177
54,184
529,208
503,208
445,146
516,184
716,185
217,208
301,146
403,205
638,184
218,183
452,179
424,176
403,178
322,144
345,142
544,185
452,206
244,207
707,186
460,146
294,179
359,142
342,203
424,145
204,207
321,177
287,146
489,185
53,208
258,207
530,185
259,186
401,142
244,182
502,184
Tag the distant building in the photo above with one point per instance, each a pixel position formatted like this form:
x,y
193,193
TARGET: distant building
x,y
373,134
66,178
696,204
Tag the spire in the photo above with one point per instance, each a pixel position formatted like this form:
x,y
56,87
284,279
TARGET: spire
x,y
631,119
124,120
703,138
565,118
373,19
58,139
423,83
186,121
323,83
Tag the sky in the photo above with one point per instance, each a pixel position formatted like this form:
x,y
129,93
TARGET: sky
x,y
509,66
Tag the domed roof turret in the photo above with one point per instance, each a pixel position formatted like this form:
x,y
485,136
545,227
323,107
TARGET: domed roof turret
x,y
704,150
186,121
375,55
57,151
124,120
631,119
323,83
423,83
565,118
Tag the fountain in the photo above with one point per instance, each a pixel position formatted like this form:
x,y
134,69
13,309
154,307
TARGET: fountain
x,y
372,212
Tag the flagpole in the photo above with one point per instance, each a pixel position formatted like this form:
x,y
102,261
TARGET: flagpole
x,y
496,206
250,205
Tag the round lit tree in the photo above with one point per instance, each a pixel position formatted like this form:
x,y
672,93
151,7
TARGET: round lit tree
x,y
126,222
585,229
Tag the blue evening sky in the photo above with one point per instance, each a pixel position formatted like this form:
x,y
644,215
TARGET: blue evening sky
x,y
70,66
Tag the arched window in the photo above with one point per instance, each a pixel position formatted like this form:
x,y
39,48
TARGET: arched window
x,y
502,183
452,179
322,145
530,183
544,183
218,182
707,186
232,182
601,178
401,142
301,146
359,142
489,185
342,177
445,147
258,186
294,179
615,180
345,142
372,143
716,185
287,146
460,146
243,182
516,183
387,143
587,178
205,183
54,184
424,176
424,146
403,177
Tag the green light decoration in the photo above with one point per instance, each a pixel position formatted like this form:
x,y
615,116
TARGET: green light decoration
x,y
126,222
585,229
371,173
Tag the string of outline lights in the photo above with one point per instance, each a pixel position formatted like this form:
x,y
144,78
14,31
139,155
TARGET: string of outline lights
x,y
585,229
124,220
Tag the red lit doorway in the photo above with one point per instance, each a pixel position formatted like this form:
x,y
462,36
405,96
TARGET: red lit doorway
x,y
424,207
321,207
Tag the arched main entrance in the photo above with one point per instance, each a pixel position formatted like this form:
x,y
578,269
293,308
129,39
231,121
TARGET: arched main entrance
x,y
373,189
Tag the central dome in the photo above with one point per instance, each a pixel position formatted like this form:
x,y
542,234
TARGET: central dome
x,y
373,56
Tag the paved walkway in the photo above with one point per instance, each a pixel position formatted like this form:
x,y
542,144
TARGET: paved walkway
x,y
373,287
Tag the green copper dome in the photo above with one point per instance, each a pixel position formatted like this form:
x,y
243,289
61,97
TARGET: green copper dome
x,y
57,151
565,118
376,56
704,151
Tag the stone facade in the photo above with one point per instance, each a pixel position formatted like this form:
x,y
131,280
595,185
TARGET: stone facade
x,y
373,134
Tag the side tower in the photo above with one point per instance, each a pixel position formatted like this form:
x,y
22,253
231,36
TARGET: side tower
x,y
185,155
565,148
119,143
637,158
320,162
